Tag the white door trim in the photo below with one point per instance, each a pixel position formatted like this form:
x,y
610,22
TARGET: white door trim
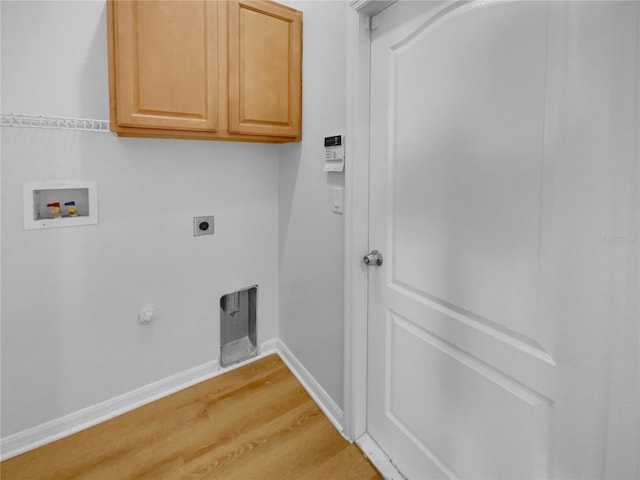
x,y
357,213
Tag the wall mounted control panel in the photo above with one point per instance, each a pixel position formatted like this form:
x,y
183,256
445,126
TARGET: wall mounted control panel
x,y
334,153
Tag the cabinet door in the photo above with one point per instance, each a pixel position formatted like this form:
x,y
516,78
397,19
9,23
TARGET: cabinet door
x,y
265,69
166,64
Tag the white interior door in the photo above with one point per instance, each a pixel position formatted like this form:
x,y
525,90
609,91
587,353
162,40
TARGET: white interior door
x,y
478,335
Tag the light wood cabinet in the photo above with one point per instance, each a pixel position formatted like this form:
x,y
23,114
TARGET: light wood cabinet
x,y
226,70
264,75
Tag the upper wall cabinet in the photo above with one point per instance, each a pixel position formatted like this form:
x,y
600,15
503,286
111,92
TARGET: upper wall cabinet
x,y
226,70
265,53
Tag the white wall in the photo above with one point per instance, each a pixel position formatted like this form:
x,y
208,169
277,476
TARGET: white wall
x,y
311,235
594,148
70,296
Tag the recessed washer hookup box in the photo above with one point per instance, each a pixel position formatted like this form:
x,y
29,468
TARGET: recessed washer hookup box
x,y
238,339
60,203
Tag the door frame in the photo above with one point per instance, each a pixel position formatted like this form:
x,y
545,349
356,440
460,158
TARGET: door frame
x,y
358,28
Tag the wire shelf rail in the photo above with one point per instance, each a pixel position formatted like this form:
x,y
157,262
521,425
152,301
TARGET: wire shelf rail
x,y
41,121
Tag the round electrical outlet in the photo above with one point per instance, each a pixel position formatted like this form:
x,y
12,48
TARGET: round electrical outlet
x,y
202,226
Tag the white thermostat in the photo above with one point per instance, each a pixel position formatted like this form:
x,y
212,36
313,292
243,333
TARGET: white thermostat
x,y
334,154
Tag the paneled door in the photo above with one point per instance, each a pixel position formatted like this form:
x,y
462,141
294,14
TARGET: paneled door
x,y
487,196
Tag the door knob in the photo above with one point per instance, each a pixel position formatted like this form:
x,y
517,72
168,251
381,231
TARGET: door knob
x,y
373,259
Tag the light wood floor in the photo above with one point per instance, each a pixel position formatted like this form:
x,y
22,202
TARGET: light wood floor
x,y
256,422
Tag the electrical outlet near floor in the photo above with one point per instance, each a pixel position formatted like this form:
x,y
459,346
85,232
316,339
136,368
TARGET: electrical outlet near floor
x,y
202,226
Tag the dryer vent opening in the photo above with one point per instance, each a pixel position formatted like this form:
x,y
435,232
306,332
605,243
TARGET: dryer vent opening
x,y
238,326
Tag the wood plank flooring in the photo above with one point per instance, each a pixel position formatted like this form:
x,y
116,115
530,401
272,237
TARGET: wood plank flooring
x,y
256,422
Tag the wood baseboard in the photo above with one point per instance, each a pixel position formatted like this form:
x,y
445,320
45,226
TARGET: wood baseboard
x,y
48,432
